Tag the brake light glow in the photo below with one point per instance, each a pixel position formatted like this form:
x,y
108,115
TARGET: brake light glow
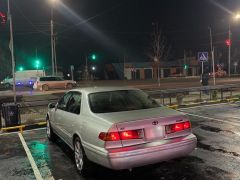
x,y
172,128
122,135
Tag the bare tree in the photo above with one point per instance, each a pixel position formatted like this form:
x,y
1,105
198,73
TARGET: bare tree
x,y
159,49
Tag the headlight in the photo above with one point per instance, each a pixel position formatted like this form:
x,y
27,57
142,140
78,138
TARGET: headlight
x,y
2,82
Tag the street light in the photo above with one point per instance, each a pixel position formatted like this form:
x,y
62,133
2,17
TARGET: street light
x,y
237,16
93,68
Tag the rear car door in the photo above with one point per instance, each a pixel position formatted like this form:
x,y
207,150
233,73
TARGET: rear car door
x,y
60,114
60,82
71,122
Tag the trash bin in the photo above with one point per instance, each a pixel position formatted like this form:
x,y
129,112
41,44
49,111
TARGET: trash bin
x,y
11,114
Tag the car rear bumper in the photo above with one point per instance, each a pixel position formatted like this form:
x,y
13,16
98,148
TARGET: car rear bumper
x,y
130,157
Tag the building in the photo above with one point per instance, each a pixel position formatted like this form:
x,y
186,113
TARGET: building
x,y
149,70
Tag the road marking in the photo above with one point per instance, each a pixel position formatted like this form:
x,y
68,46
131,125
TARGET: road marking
x,y
3,134
30,158
214,119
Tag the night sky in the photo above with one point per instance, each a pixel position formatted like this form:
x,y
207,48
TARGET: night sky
x,y
111,27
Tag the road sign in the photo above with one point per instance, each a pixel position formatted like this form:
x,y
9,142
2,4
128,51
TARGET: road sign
x,y
202,56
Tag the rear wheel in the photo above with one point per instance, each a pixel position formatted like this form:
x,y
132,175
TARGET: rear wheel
x,y
81,161
50,134
69,86
45,87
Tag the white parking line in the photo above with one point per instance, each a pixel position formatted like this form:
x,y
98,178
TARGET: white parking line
x,y
30,158
214,119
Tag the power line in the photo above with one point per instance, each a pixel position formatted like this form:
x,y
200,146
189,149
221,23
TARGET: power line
x,y
91,18
29,21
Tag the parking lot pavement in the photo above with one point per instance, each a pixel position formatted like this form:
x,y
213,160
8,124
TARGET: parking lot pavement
x,y
217,156
14,163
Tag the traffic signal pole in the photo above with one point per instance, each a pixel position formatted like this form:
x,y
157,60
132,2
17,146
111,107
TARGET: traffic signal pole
x,y
12,53
212,53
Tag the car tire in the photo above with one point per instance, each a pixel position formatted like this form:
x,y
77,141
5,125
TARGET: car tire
x,y
45,87
69,86
82,164
50,134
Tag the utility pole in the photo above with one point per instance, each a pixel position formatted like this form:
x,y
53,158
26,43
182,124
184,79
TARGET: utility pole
x,y
212,53
12,52
229,50
52,41
55,56
86,68
124,61
36,53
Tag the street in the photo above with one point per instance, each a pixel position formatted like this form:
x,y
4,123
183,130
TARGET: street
x,y
217,155
166,83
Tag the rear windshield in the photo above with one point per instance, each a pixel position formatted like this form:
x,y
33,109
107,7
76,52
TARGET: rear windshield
x,y
123,100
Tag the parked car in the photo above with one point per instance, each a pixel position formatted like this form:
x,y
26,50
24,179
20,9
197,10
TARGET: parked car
x,y
219,73
119,128
51,82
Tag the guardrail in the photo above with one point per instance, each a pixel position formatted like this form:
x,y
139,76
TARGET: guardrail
x,y
196,94
34,112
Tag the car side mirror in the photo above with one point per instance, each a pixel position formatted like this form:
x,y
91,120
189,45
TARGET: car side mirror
x,y
51,105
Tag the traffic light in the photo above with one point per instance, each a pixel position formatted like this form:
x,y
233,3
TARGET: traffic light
x,y
185,66
20,68
93,57
37,64
228,42
3,18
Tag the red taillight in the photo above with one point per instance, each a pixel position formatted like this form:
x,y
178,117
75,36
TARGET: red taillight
x,y
172,128
187,125
123,135
132,134
111,136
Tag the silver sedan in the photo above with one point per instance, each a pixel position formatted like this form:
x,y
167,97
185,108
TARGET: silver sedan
x,y
119,128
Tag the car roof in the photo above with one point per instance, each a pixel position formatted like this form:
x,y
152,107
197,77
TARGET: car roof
x,y
89,90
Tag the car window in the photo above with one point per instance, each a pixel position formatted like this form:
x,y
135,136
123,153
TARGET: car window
x,y
62,104
43,79
74,103
59,79
123,100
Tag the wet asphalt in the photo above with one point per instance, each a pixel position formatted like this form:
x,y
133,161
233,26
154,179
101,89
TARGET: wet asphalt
x,y
217,156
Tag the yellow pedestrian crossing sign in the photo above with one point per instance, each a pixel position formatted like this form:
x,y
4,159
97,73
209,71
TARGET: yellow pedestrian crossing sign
x,y
202,56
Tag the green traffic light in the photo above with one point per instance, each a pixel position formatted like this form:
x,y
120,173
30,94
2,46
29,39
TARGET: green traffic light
x,y
37,64
185,66
20,68
94,57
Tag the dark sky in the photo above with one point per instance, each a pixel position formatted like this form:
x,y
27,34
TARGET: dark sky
x,y
110,27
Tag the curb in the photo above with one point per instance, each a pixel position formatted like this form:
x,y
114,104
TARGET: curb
x,y
21,128
175,106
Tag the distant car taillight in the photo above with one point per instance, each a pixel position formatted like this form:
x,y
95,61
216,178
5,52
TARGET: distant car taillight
x,y
172,128
122,135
